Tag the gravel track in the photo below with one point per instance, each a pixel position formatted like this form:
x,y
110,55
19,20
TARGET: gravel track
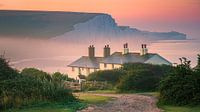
x,y
125,103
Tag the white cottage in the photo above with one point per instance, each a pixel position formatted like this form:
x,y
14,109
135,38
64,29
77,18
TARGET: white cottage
x,y
88,64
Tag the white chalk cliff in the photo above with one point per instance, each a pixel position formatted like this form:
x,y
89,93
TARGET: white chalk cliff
x,y
104,26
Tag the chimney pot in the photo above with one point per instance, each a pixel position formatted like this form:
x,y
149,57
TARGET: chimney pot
x,y
144,49
91,51
126,50
106,51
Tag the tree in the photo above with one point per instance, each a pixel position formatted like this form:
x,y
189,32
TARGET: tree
x,y
6,72
198,63
180,87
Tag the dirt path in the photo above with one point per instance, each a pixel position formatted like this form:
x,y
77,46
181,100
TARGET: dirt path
x,y
126,103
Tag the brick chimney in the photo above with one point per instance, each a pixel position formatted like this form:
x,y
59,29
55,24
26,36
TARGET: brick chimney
x,y
126,50
91,51
144,50
106,51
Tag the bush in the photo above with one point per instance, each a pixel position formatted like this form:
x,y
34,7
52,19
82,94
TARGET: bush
x,y
143,80
182,86
38,74
196,77
6,72
59,78
142,77
111,76
30,86
158,70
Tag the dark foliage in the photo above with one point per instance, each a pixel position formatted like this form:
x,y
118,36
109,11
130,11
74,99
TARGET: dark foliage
x,y
96,85
142,77
30,86
182,86
111,76
6,72
35,73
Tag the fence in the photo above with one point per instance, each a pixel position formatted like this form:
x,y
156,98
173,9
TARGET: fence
x,y
88,85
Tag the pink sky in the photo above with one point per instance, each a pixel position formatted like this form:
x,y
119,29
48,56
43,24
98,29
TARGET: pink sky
x,y
154,15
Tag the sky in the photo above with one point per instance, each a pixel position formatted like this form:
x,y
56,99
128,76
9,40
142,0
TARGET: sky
x,y
152,15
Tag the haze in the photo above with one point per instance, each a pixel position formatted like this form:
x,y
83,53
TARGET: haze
x,y
54,56
153,15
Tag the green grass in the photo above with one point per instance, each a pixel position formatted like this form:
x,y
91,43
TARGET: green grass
x,y
155,94
169,108
103,91
51,107
86,98
45,109
93,99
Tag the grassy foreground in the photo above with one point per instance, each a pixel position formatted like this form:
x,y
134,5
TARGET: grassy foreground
x,y
170,108
73,107
103,91
88,98
51,107
93,99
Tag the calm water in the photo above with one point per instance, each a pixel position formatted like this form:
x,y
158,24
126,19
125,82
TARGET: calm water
x,y
53,56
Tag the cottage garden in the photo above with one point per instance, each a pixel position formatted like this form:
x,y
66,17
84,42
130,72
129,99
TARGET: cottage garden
x,y
177,88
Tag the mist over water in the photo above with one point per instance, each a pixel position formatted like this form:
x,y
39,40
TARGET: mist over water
x,y
52,56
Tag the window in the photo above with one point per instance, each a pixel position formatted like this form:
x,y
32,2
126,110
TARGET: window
x,y
105,65
88,70
72,69
113,66
79,70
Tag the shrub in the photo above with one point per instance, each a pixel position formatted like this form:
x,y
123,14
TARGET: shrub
x,y
142,77
38,74
182,86
159,70
143,80
6,72
31,85
196,77
111,76
59,77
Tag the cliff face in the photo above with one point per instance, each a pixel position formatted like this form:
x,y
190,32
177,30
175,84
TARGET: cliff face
x,y
104,26
72,26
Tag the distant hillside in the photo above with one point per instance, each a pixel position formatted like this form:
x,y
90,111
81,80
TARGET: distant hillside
x,y
39,23
71,25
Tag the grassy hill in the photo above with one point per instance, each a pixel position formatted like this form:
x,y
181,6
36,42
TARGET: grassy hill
x,y
43,24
